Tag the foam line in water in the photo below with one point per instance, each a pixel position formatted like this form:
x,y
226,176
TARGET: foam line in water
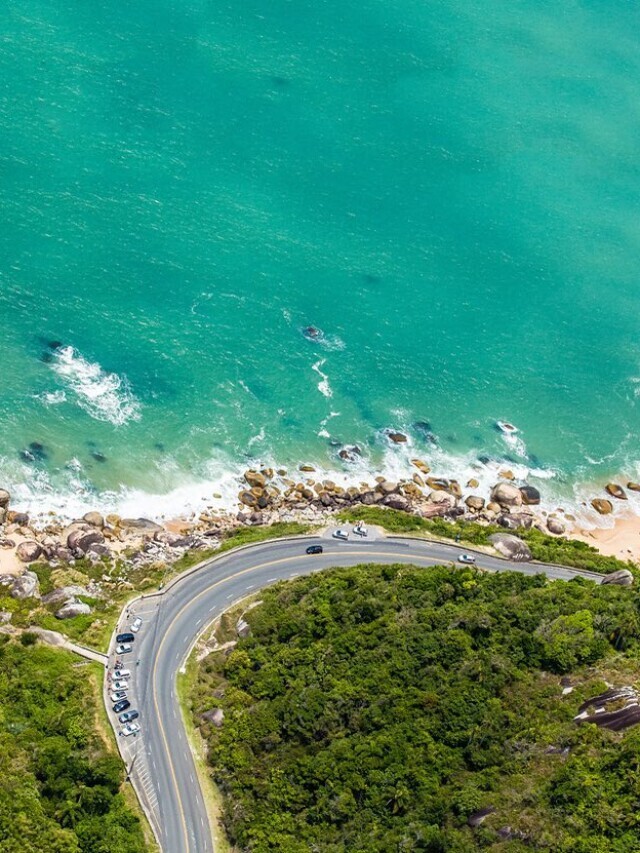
x,y
104,396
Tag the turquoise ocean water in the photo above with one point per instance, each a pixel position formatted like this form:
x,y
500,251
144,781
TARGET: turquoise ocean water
x,y
450,191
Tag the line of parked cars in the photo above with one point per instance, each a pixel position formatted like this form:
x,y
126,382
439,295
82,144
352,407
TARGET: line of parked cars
x,y
120,682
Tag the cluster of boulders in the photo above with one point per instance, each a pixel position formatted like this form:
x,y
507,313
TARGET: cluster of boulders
x,y
604,506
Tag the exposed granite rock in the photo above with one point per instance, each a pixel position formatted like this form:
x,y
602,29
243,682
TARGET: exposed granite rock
x,y
616,491
633,487
530,495
506,495
243,628
214,716
5,497
71,609
140,524
622,577
603,506
421,466
511,547
255,478
65,593
396,437
94,519
25,586
478,817
616,709
28,551
555,526
86,541
474,503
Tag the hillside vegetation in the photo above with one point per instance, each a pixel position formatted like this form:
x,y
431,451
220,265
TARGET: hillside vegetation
x,y
59,783
544,547
377,708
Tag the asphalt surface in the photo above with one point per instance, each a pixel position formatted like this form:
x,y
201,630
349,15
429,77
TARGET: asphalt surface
x,y
159,759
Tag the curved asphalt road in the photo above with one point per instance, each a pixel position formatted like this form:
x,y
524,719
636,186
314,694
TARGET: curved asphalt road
x,y
159,759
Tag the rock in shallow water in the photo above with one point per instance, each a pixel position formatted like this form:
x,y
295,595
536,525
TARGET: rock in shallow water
x,y
616,491
506,495
602,505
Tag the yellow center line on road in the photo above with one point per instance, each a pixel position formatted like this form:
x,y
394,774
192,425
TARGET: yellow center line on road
x,y
400,557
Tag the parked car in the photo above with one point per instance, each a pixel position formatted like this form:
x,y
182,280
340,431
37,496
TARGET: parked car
x,y
117,695
466,558
136,624
122,705
314,549
341,534
119,684
122,673
123,648
128,716
127,637
130,729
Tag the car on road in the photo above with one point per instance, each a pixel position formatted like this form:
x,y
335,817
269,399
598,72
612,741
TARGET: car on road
x,y
341,534
314,549
122,705
127,637
117,695
128,716
121,673
130,729
136,624
466,558
123,648
120,684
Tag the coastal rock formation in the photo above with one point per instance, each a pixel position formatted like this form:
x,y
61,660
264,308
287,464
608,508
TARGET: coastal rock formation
x,y
28,551
214,716
506,495
473,483
603,506
616,491
396,437
555,526
480,816
439,496
71,609
94,519
64,594
255,478
421,466
5,498
633,487
350,453
474,503
622,577
26,586
140,524
511,547
530,495
86,541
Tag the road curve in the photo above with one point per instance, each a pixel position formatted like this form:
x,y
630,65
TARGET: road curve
x,y
159,759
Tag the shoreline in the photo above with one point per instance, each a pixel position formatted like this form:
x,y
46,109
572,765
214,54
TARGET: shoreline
x,y
261,496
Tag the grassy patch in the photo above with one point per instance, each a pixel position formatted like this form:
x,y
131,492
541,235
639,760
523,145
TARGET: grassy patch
x,y
544,548
251,535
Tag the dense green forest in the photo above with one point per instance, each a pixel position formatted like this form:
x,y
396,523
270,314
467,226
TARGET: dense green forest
x,y
59,783
377,708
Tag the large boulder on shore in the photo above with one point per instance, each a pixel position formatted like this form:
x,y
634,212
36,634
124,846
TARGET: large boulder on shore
x,y
71,609
622,577
399,502
616,491
511,547
85,541
5,497
475,503
633,487
506,494
530,495
94,519
555,526
28,551
140,524
602,505
255,479
26,586
64,594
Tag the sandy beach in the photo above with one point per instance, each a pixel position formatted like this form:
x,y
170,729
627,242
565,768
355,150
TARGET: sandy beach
x,y
622,540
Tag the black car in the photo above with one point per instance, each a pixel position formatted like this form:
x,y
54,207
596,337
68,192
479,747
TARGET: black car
x,y
122,705
128,716
314,549
125,638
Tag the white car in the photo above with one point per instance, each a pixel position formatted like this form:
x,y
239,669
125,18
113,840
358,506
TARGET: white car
x,y
136,625
122,673
119,685
123,648
466,558
130,729
360,530
117,695
340,534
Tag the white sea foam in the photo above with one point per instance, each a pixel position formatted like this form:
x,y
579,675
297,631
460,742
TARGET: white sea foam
x,y
323,431
257,438
52,398
323,386
104,396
